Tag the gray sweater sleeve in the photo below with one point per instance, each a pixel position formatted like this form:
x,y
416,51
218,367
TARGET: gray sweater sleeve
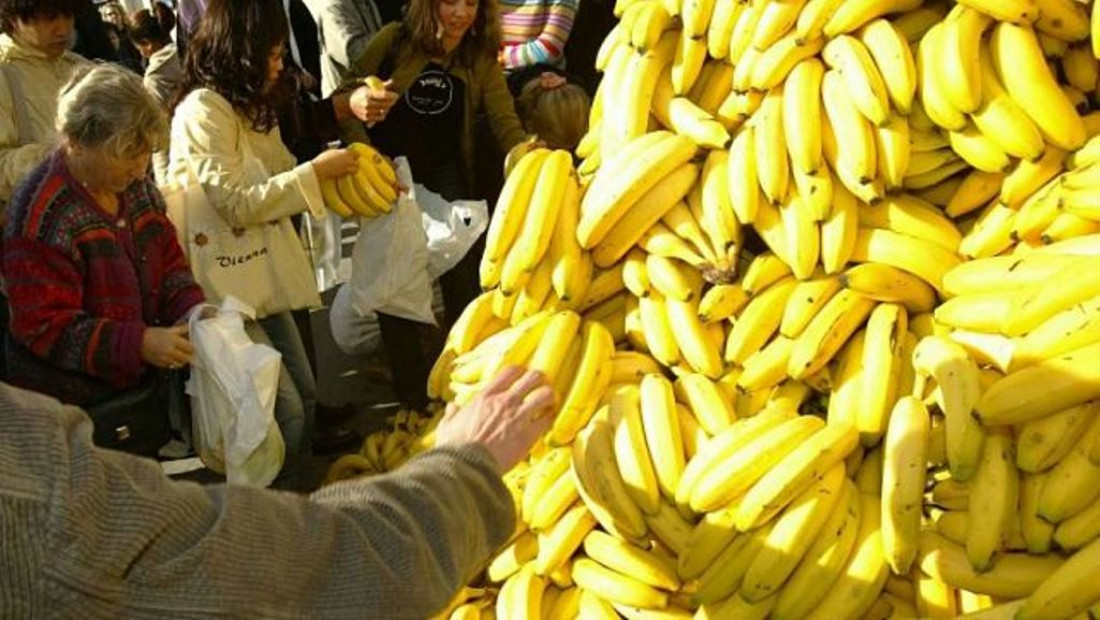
x,y
95,533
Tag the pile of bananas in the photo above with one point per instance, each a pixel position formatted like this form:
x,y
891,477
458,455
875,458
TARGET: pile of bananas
x,y
821,309
409,434
370,192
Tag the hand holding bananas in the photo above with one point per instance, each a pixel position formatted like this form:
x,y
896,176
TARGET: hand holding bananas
x,y
357,181
507,417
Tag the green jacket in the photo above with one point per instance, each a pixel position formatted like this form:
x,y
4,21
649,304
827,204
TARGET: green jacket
x,y
486,90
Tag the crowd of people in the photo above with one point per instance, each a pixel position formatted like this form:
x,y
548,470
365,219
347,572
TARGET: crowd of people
x,y
96,275
102,113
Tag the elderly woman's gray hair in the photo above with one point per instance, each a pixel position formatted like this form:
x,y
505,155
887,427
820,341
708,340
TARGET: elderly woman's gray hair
x,y
109,109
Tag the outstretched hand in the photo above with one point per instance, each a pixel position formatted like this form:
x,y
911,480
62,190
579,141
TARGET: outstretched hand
x,y
508,417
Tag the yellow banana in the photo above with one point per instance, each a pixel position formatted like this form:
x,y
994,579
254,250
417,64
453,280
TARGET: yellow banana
x,y
743,184
644,214
775,63
632,452
562,539
592,377
617,187
1014,575
615,586
1020,63
810,461
823,562
974,192
960,48
909,215
827,333
883,338
758,321
994,500
921,258
333,200
862,578
865,86
719,217
703,397
956,376
839,230
806,300
600,484
905,457
624,558
857,161
511,210
662,432
894,60
1071,485
691,53
933,96
772,167
892,144
889,284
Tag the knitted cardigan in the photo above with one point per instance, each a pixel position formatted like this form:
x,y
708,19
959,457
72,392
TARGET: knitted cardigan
x,y
83,285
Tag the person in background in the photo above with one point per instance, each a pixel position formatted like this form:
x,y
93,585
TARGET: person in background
x,y
113,14
96,534
91,34
118,33
35,62
100,289
344,28
151,34
555,110
225,132
534,32
440,69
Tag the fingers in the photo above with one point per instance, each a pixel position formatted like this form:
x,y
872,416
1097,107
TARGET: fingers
x,y
525,384
502,381
537,403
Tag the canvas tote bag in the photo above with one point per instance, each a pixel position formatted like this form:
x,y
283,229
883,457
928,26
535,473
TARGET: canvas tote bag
x,y
265,266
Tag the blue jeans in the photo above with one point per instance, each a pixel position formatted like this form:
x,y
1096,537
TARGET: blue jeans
x,y
297,396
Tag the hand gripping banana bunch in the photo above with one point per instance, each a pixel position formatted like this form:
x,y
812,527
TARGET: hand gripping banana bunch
x,y
369,192
820,304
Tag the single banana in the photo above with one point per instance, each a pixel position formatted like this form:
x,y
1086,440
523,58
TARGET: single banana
x,y
592,377
862,578
758,321
994,500
852,14
592,576
772,167
850,57
1020,63
839,230
894,60
631,451
933,96
884,283
827,333
905,457
956,376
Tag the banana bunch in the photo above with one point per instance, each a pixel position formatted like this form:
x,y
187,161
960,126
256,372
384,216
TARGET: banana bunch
x,y
821,310
369,192
409,434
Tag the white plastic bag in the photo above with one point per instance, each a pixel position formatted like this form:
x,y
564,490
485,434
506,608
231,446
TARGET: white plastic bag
x,y
451,227
233,386
389,272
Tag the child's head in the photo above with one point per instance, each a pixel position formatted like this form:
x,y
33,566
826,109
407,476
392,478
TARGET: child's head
x,y
555,110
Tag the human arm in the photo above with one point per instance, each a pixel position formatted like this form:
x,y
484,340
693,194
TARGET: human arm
x,y
208,135
347,29
16,159
549,46
117,536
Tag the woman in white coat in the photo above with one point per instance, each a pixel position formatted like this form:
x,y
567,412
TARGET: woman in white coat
x,y
225,134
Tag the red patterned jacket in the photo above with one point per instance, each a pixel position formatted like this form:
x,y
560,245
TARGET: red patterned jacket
x,y
83,285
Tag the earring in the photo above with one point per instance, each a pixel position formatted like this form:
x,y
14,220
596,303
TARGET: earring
x,y
439,32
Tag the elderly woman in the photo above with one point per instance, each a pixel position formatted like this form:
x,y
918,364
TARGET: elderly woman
x,y
98,285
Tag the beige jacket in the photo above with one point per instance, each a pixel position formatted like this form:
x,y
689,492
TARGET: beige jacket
x,y
249,178
29,87
90,533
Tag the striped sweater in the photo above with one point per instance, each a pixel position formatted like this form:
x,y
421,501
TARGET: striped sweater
x,y
535,31
83,285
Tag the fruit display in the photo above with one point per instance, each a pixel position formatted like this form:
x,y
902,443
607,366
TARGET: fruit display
x,y
369,192
820,305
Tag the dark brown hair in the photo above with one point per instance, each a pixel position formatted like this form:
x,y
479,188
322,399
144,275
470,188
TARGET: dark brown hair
x,y
145,27
25,10
482,39
229,55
